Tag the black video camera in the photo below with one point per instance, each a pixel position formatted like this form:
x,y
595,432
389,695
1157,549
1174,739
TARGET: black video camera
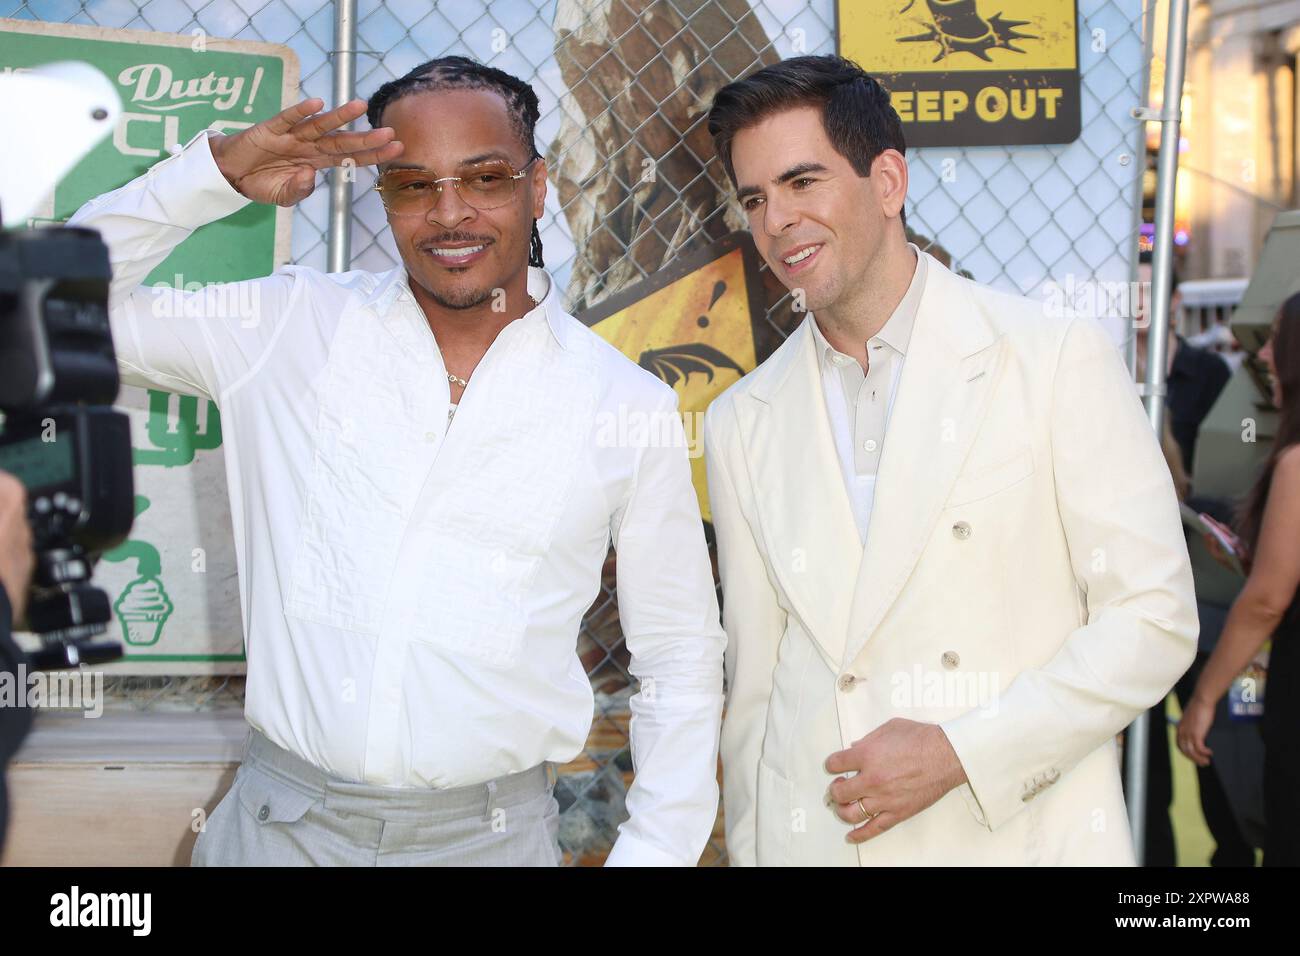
x,y
61,438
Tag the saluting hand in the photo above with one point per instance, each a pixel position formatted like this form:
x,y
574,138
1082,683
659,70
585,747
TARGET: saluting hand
x,y
276,161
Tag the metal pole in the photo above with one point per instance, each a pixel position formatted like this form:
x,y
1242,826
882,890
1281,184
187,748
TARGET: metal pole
x,y
1162,263
1140,162
341,177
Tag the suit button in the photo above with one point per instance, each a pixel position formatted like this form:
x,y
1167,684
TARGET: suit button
x,y
950,659
961,530
846,682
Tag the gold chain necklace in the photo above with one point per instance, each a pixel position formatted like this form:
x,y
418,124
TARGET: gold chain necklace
x,y
463,383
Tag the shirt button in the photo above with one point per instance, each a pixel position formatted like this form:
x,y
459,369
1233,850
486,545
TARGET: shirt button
x,y
846,682
950,659
264,813
430,437
869,444
961,530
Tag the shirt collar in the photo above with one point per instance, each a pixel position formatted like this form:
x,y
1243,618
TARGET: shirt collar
x,y
824,348
394,285
897,330
547,295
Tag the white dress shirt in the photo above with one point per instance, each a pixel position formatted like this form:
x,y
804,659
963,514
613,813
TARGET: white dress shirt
x,y
412,592
859,403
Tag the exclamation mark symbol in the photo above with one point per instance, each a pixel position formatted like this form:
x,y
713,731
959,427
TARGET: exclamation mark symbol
x,y
719,288
252,91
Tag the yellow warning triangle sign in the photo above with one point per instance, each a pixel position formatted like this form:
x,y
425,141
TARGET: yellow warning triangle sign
x,y
691,324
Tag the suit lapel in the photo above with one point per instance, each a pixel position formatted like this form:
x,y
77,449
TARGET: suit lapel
x,y
812,540
948,374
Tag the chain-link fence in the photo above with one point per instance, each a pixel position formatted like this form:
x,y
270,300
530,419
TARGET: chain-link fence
x,y
624,86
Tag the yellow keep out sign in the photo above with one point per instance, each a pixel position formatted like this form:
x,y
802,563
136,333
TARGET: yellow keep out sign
x,y
971,72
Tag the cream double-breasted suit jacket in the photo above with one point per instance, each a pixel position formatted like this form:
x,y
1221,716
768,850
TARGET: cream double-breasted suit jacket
x,y
1025,584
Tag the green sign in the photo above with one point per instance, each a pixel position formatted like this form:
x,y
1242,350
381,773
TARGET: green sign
x,y
172,87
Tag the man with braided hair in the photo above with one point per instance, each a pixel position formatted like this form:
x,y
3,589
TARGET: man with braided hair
x,y
424,490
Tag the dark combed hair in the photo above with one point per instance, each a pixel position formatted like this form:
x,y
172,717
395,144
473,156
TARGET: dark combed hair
x,y
859,120
1286,356
462,73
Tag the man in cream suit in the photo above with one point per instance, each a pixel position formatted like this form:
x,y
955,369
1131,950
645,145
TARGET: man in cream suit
x,y
951,556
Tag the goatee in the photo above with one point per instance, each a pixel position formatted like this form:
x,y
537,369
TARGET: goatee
x,y
461,299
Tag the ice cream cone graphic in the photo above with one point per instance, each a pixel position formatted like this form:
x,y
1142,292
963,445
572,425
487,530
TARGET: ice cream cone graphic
x,y
143,609
143,606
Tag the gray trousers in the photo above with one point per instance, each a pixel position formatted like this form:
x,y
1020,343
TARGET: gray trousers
x,y
283,811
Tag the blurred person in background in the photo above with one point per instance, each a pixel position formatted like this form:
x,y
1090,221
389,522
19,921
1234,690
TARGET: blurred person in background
x,y
1174,459
1195,379
1268,607
1231,846
1218,338
1196,376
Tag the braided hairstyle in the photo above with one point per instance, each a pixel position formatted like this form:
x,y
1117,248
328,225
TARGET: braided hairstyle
x,y
462,73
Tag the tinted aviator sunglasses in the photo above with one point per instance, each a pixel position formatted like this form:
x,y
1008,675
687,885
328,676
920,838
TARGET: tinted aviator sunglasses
x,y
407,192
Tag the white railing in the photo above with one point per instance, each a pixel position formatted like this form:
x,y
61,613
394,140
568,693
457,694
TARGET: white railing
x,y
1206,304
